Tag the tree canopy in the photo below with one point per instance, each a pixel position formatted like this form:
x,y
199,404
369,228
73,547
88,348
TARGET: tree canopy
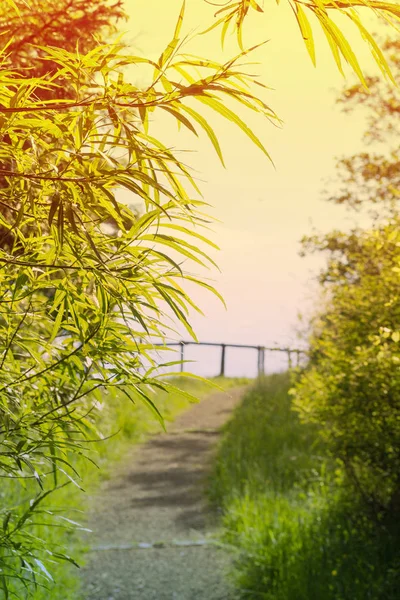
x,y
370,179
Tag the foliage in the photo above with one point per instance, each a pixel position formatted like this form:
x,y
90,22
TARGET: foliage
x,y
352,385
295,529
370,180
29,29
83,303
69,24
81,306
234,12
330,528
272,430
121,429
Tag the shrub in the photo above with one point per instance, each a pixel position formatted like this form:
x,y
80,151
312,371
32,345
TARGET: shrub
x,y
351,386
296,530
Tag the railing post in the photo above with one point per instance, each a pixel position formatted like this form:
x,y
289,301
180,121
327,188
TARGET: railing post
x,y
182,355
222,373
289,354
260,360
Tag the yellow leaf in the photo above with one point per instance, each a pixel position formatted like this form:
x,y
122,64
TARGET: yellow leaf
x,y
209,131
180,21
306,31
231,116
333,45
256,6
345,48
180,118
170,49
376,51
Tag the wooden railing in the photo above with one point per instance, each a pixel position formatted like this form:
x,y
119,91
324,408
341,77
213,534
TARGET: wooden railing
x,y
293,354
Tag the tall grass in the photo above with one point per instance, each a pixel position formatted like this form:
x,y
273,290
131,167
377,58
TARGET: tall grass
x,y
297,531
123,424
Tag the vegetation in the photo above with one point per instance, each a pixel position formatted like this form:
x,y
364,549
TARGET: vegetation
x,y
352,385
369,180
121,430
61,519
309,481
69,24
234,12
290,516
82,302
87,283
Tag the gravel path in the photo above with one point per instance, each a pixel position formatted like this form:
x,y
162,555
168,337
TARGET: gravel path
x,y
153,532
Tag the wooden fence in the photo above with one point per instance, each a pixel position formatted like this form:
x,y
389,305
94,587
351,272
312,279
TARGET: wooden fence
x,y
293,354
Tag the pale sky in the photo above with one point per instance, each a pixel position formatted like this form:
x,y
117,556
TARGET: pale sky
x,y
264,211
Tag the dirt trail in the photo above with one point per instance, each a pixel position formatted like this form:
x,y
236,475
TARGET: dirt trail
x,y
152,528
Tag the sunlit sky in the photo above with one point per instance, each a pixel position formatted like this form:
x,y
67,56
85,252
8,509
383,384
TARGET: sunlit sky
x,y
263,210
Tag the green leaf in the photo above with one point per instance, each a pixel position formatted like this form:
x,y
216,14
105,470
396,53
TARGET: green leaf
x,y
6,521
57,321
53,208
148,401
43,569
190,233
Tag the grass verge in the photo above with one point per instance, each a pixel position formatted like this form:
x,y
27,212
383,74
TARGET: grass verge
x,y
295,528
127,425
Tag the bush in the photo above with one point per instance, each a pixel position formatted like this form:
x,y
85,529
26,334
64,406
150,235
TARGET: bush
x,y
292,522
352,384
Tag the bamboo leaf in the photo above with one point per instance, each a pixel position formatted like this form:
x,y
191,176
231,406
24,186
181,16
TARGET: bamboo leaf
x,y
57,322
209,131
170,49
376,51
333,46
224,31
43,569
180,118
231,116
177,311
208,287
53,208
148,401
256,6
343,45
190,233
306,31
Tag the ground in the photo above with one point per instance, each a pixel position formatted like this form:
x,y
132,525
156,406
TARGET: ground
x,y
154,536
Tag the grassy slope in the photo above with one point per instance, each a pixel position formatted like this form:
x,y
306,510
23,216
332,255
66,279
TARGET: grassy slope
x,y
296,532
127,425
